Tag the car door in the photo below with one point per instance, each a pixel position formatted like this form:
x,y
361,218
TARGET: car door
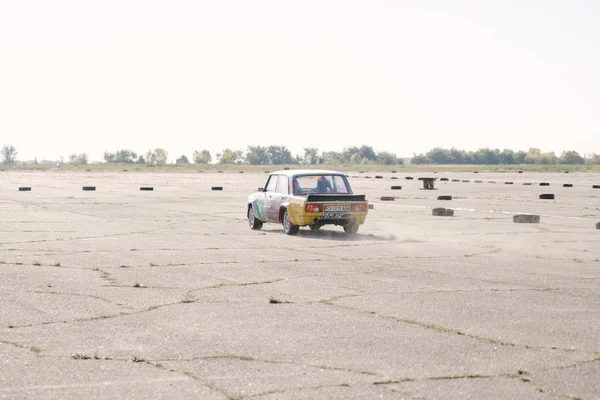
x,y
269,196
281,195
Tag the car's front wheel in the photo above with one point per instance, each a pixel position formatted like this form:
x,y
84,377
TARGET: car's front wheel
x,y
288,227
254,222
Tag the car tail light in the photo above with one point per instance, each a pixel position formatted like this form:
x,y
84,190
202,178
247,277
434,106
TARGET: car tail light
x,y
359,207
314,207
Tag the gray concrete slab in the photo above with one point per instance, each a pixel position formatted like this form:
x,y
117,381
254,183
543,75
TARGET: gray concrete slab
x,y
119,293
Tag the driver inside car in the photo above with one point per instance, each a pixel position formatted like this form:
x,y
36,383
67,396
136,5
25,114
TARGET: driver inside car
x,y
323,185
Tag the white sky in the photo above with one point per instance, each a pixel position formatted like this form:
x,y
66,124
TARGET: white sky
x,y
403,76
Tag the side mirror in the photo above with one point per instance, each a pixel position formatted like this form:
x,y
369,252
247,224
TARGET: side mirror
x,y
261,189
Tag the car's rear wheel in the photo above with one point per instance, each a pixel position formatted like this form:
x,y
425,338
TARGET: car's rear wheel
x,y
288,227
254,222
351,229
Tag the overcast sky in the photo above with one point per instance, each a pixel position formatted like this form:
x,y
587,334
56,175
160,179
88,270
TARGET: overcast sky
x,y
402,76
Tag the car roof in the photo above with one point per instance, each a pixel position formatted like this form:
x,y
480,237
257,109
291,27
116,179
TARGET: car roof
x,y
297,172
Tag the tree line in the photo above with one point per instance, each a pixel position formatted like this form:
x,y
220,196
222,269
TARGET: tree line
x,y
279,155
487,156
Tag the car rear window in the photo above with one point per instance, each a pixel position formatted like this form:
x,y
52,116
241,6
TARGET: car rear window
x,y
307,184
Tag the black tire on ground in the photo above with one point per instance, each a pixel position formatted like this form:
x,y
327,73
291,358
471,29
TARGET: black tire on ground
x,y
527,183
455,180
568,185
387,198
394,177
146,188
597,225
409,178
596,187
444,198
254,222
378,177
351,229
89,188
288,228
443,179
442,212
526,219
478,181
544,184
466,180
396,187
25,189
393,172
508,183
216,188
547,196
520,172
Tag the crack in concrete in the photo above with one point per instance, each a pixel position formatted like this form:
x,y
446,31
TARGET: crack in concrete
x,y
32,349
443,329
229,284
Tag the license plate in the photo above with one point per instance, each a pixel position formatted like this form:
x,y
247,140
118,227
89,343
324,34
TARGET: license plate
x,y
333,216
335,209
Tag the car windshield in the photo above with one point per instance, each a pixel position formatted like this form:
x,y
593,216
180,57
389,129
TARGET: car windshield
x,y
327,183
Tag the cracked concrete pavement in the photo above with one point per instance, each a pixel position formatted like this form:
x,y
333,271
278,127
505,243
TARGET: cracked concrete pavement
x,y
120,293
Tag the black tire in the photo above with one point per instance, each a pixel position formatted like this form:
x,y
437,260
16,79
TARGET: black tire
x,y
444,198
351,229
288,228
547,196
89,188
25,189
396,187
255,223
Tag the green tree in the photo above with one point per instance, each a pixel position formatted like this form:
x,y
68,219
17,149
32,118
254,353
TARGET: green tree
x,y
420,159
258,155
592,159
182,160
387,158
229,156
202,157
367,152
533,156
507,156
9,154
311,156
570,157
332,157
438,155
157,157
548,158
78,159
123,156
280,155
